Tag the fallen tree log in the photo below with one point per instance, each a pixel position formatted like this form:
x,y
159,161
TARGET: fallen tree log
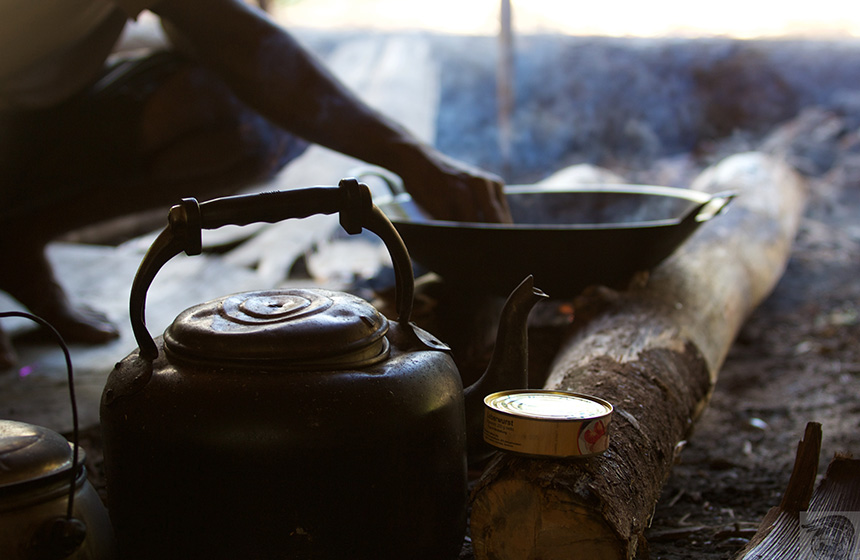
x,y
654,351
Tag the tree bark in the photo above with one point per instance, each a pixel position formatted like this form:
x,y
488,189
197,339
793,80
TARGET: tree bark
x,y
654,351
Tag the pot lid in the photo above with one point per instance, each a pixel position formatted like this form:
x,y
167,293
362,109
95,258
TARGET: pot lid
x,y
29,452
289,329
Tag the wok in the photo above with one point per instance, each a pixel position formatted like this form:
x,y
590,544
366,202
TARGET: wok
x,y
568,238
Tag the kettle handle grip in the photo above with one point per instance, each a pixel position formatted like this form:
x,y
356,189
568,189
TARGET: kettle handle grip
x,y
186,220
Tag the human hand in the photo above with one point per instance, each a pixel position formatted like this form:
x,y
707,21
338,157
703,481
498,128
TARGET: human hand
x,y
452,190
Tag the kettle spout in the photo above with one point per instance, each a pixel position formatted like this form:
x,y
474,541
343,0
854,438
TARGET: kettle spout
x,y
508,367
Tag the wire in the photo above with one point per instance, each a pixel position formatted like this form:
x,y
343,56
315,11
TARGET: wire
x,y
75,433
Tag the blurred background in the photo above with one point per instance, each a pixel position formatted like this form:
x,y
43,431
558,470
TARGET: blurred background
x,y
733,18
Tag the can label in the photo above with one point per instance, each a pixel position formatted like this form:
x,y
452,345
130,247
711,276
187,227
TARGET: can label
x,y
547,423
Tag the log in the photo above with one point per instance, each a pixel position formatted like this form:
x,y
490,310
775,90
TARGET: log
x,y
654,351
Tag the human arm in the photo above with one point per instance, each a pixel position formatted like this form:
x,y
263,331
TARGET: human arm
x,y
269,70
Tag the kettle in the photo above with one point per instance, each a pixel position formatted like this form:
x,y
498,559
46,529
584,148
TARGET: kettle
x,y
294,423
48,508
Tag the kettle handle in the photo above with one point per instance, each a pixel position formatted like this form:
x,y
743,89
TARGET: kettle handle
x,y
187,219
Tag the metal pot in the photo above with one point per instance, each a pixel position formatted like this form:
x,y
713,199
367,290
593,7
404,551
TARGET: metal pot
x,y
36,471
294,423
568,238
48,509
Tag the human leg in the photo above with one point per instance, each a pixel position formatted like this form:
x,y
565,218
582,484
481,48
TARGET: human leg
x,y
139,142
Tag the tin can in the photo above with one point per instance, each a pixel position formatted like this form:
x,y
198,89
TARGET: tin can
x,y
547,423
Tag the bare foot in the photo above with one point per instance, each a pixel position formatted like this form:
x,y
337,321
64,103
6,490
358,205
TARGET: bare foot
x,y
80,324
28,277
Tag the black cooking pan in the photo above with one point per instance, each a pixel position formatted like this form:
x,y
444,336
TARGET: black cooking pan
x,y
568,238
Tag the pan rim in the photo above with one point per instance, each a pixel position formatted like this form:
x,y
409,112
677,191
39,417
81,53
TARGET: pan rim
x,y
694,196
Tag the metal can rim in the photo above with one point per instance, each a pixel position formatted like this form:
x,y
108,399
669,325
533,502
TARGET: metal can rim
x,y
558,436
608,408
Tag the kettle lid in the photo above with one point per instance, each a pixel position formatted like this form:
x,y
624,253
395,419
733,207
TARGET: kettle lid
x,y
286,329
29,452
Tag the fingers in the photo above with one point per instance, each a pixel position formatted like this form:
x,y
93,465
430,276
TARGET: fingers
x,y
475,200
500,211
452,190
490,203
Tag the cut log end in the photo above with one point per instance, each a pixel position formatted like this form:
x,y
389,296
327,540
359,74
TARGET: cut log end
x,y
539,523
551,507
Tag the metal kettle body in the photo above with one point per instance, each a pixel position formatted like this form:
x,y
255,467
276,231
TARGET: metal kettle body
x,y
286,423
205,462
48,509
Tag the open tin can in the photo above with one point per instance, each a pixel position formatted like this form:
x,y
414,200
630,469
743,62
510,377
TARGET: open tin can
x,y
547,423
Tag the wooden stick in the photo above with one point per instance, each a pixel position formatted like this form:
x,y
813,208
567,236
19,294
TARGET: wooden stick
x,y
799,490
654,352
823,523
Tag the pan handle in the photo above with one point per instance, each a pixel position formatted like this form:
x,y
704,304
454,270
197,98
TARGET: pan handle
x,y
392,181
712,207
186,221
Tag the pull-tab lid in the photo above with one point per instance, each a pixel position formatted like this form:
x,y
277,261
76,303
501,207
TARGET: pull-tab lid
x,y
29,453
286,329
